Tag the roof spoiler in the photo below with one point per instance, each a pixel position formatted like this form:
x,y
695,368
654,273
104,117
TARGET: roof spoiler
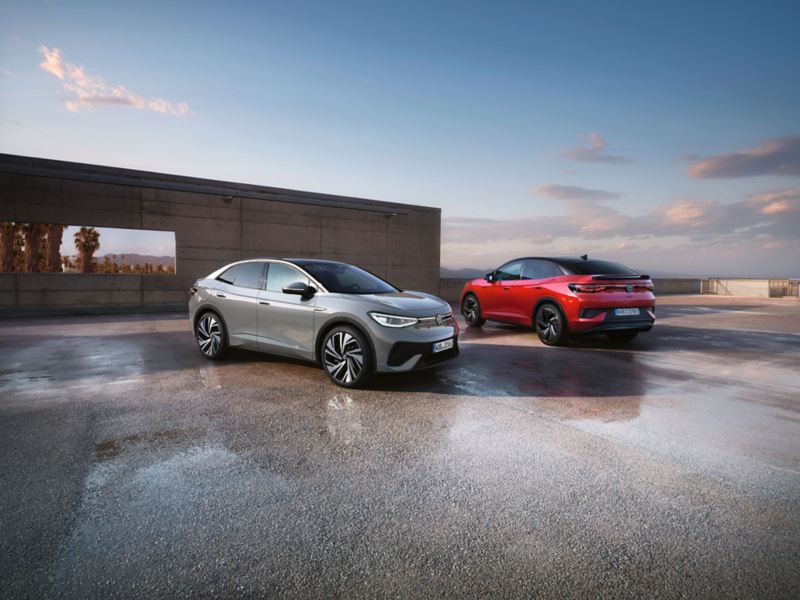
x,y
620,276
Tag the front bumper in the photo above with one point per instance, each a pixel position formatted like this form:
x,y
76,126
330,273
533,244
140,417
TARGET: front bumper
x,y
413,356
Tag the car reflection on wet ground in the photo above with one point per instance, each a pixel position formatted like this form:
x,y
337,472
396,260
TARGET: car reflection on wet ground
x,y
131,466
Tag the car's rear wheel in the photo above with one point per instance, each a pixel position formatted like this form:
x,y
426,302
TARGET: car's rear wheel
x,y
346,357
622,336
471,309
212,339
550,325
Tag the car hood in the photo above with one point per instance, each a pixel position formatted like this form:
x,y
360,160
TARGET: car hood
x,y
416,304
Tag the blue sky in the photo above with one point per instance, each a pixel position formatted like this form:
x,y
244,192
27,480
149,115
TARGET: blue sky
x,y
688,114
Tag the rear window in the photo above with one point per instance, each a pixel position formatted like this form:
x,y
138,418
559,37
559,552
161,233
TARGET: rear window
x,y
596,267
249,275
229,275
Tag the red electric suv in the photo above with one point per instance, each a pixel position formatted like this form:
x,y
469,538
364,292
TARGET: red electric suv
x,y
560,297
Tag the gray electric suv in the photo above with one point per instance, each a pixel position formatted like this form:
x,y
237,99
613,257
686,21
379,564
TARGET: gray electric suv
x,y
349,320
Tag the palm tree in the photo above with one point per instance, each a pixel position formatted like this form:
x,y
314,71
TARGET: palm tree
x,y
33,233
8,232
54,235
87,241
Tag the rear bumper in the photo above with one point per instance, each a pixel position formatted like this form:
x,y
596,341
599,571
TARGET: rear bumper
x,y
620,325
606,321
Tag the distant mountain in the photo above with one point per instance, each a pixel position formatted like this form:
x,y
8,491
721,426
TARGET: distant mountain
x,y
468,273
138,259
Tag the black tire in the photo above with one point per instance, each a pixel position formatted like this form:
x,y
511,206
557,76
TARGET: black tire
x,y
622,336
211,335
346,357
550,325
471,309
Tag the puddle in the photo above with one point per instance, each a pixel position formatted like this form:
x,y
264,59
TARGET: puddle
x,y
110,449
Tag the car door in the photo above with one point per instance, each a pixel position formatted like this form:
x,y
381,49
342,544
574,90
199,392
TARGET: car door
x,y
285,321
497,291
525,292
236,296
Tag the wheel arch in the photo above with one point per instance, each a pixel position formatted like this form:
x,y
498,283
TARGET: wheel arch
x,y
209,309
549,300
343,321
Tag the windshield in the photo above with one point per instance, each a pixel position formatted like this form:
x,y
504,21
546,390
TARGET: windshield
x,y
346,279
596,267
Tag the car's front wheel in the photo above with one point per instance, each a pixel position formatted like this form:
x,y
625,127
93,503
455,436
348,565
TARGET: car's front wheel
x,y
346,357
550,325
212,339
471,309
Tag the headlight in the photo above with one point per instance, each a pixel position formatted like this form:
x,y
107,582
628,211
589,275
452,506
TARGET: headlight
x,y
393,320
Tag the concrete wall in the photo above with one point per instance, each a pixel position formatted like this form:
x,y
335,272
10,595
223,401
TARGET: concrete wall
x,y
214,223
666,286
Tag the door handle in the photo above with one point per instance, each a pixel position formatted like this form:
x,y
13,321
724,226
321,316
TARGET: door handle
x,y
506,288
263,303
220,295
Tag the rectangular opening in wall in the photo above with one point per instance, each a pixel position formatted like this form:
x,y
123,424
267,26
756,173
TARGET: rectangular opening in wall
x,y
55,248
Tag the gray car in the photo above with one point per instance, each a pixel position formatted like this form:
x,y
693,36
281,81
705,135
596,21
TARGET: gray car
x,y
350,321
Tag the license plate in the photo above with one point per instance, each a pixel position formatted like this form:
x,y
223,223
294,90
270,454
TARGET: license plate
x,y
626,312
442,346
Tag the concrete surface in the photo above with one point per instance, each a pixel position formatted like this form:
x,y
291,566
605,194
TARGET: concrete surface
x,y
215,222
132,467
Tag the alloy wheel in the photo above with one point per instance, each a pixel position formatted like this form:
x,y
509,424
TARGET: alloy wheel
x,y
344,357
470,309
548,323
209,335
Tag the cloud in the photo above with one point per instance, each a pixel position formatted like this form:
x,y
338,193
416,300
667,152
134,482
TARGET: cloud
x,y
762,221
776,156
573,192
778,202
593,152
687,213
87,90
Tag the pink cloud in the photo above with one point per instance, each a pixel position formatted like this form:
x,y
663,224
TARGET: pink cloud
x,y
776,156
593,152
89,90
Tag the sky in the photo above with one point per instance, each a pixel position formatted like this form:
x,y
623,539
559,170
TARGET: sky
x,y
662,135
114,240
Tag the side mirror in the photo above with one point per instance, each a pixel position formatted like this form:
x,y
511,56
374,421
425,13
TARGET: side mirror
x,y
490,277
298,288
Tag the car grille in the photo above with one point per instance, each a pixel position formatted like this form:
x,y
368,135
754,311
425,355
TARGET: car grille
x,y
441,320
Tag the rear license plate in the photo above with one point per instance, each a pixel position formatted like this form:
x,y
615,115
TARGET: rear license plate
x,y
442,346
626,312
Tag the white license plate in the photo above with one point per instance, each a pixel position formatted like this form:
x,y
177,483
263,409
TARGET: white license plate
x,y
442,346
626,312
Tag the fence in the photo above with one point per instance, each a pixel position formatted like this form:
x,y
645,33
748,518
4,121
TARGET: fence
x,y
753,288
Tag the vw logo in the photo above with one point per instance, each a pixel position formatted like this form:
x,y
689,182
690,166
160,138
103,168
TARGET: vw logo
x,y
629,289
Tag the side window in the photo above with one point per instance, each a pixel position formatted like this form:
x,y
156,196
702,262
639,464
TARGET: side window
x,y
540,269
249,275
510,271
229,275
280,275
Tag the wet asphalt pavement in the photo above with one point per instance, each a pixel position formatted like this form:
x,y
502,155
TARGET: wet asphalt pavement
x,y
132,467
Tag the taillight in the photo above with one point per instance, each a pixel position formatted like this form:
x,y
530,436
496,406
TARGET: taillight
x,y
587,288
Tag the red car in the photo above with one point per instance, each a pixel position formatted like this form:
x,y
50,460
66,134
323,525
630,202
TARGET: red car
x,y
560,297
